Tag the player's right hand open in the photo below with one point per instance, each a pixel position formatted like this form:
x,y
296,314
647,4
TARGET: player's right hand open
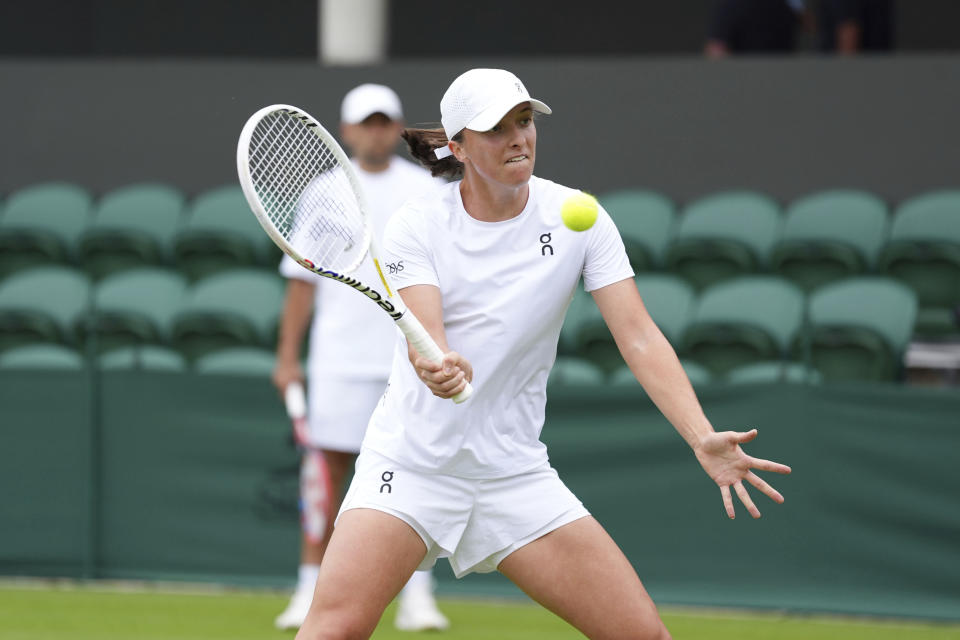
x,y
447,378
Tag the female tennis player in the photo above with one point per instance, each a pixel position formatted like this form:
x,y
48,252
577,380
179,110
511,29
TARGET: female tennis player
x,y
488,267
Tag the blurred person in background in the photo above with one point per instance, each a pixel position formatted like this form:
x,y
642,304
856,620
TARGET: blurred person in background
x,y
753,26
348,376
856,26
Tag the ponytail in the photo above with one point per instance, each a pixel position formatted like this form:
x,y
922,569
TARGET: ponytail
x,y
423,142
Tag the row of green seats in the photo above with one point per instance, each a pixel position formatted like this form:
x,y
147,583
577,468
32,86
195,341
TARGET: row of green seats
x,y
257,362
855,328
569,371
732,323
58,304
815,239
241,361
141,224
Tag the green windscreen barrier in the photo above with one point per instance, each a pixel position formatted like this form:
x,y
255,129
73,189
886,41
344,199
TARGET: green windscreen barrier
x,y
180,476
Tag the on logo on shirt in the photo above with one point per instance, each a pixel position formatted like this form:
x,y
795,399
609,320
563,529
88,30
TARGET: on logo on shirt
x,y
545,244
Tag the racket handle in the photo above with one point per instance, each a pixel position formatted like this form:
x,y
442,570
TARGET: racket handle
x,y
426,347
295,400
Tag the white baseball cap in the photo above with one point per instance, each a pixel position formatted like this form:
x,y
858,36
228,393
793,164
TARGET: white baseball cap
x,y
478,99
362,102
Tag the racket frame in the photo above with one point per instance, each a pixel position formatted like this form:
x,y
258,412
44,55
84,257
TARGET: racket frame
x,y
393,305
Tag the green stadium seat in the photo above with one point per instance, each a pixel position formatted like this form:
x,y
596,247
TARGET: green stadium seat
x,y
220,232
923,252
697,373
722,236
251,362
745,320
580,307
132,226
830,235
669,301
775,371
41,224
143,358
646,220
135,307
586,334
859,328
48,357
235,308
42,304
570,371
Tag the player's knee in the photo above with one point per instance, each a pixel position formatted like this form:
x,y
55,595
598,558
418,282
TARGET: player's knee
x,y
336,627
645,629
655,632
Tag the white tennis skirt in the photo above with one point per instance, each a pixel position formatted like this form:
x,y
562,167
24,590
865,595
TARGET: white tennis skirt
x,y
474,523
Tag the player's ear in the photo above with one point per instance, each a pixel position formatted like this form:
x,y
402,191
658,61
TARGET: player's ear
x,y
458,151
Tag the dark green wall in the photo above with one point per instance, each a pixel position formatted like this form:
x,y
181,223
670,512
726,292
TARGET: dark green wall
x,y
193,477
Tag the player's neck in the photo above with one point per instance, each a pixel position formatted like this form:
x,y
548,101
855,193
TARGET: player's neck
x,y
491,202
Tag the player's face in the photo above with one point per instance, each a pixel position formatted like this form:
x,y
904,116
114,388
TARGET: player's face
x,y
372,141
505,154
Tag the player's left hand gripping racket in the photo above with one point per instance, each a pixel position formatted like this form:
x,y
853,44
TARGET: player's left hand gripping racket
x,y
305,193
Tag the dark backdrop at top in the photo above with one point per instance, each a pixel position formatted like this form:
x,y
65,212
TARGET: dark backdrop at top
x,y
684,126
417,28
248,28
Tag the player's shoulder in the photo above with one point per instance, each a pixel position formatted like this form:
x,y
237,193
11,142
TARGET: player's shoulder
x,y
428,208
550,195
548,190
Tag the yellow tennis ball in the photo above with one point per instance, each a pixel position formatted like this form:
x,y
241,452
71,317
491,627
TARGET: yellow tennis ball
x,y
579,211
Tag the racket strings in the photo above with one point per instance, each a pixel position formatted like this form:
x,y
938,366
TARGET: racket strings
x,y
306,193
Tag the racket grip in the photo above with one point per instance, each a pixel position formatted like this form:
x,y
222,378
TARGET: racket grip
x,y
295,400
426,347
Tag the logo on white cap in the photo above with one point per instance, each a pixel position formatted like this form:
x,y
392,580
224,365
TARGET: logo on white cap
x,y
478,99
362,102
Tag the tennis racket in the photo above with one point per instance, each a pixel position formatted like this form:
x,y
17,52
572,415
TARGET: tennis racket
x,y
305,193
315,485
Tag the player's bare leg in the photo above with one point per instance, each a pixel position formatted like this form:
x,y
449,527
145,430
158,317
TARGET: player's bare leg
x,y
579,573
370,557
314,543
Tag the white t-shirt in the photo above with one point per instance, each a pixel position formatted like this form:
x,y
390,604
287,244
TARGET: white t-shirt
x,y
350,336
506,287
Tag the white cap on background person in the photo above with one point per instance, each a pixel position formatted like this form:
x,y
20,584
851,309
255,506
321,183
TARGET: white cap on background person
x,y
478,99
362,102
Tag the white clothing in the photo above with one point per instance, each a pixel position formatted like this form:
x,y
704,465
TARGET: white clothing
x,y
350,336
506,287
475,523
339,411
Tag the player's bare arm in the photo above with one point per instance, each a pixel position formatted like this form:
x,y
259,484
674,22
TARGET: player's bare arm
x,y
447,378
654,362
297,311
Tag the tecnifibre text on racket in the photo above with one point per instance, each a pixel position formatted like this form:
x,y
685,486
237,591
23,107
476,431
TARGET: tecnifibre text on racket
x,y
303,189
